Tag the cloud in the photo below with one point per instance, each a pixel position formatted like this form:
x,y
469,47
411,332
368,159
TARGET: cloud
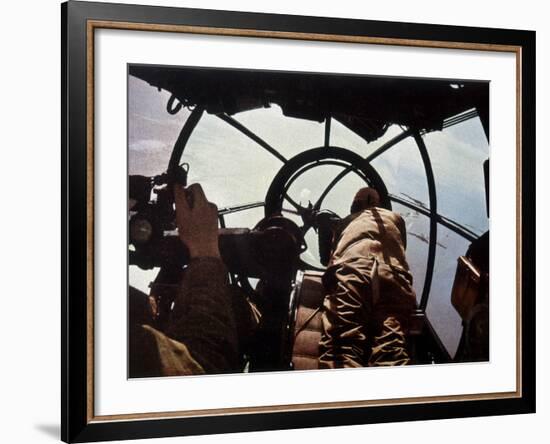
x,y
147,145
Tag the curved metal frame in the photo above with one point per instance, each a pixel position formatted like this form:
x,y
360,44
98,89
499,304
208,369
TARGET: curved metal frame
x,y
431,212
315,165
433,219
243,129
368,159
457,228
184,135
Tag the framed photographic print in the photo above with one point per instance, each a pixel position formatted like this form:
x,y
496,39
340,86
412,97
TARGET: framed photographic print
x,y
279,221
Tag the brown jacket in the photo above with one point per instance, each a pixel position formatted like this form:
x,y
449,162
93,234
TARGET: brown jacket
x,y
201,335
369,293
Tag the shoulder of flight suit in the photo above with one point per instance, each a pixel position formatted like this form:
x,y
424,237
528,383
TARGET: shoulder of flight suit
x,y
200,336
203,317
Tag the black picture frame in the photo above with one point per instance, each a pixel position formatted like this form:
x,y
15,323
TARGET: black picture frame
x,y
78,423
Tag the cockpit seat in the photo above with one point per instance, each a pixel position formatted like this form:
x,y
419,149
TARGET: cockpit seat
x,y
309,297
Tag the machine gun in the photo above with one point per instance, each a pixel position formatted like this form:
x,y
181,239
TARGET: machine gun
x,y
270,248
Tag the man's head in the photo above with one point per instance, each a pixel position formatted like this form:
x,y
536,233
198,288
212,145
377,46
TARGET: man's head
x,y
365,198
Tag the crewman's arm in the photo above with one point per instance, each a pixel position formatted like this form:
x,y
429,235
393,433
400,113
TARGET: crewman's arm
x,y
201,335
400,224
203,318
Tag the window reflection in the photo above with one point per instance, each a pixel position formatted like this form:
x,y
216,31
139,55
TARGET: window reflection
x,y
231,168
402,170
152,132
457,155
418,235
343,137
442,315
244,219
288,135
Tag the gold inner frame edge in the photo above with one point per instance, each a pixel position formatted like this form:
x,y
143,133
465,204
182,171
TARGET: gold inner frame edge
x,y
233,32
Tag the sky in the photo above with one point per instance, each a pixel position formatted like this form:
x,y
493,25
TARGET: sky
x,y
234,170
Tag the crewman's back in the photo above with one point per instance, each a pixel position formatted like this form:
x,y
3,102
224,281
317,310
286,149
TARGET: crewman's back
x,y
372,232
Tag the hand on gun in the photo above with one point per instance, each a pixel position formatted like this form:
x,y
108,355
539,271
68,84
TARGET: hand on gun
x,y
197,221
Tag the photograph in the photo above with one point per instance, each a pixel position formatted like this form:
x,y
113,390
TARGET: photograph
x,y
294,221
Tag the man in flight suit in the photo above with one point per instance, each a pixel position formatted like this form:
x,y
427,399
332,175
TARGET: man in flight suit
x,y
369,298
